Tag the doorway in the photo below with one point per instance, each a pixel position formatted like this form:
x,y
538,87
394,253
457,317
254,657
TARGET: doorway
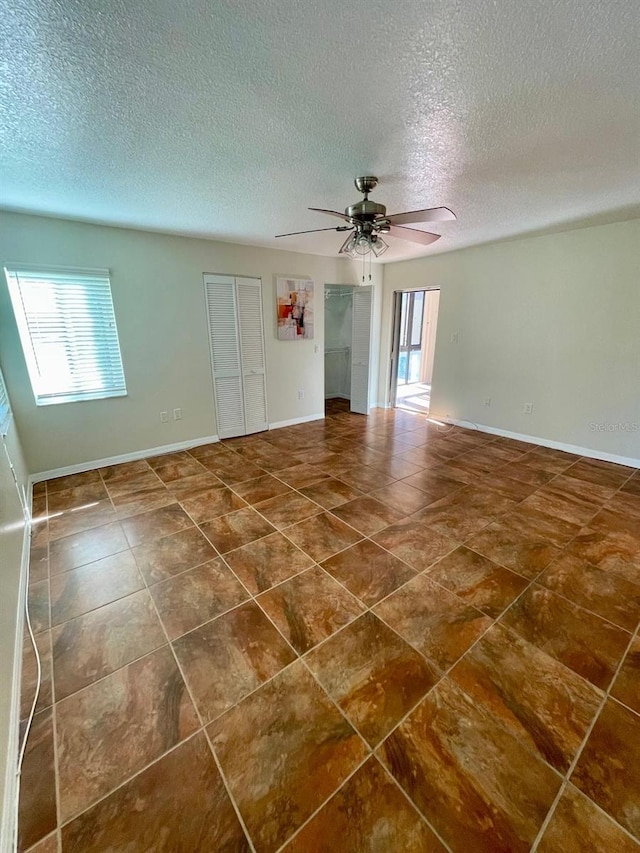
x,y
347,355
415,320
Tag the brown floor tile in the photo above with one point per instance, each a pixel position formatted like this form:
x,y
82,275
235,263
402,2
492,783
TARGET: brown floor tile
x,y
309,607
541,702
508,487
261,489
627,505
38,564
77,591
287,509
368,813
79,519
170,555
196,596
80,496
531,523
212,503
267,562
38,597
605,593
365,479
72,481
302,475
165,459
373,675
134,503
608,770
297,750
330,493
626,687
402,497
395,467
179,469
600,473
582,641
578,825
152,525
87,547
93,645
560,503
367,514
203,451
412,541
178,804
525,553
465,512
632,486
434,485
477,580
232,470
476,783
37,806
548,459
322,535
115,727
236,529
126,469
140,481
611,550
368,571
436,622
47,845
29,675
229,657
188,487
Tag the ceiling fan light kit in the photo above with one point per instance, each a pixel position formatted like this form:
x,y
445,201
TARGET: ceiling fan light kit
x,y
367,221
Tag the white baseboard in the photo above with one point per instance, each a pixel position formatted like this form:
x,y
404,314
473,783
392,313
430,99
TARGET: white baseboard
x,y
9,824
295,421
124,457
589,452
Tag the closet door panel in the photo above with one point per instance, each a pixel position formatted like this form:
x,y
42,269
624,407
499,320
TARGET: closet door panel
x,y
361,349
249,295
226,362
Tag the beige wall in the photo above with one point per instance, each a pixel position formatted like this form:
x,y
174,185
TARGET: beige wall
x,y
11,546
552,320
159,303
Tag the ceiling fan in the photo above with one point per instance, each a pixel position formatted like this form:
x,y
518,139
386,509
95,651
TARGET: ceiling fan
x,y
368,220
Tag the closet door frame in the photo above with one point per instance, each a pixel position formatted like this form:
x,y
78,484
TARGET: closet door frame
x,y
232,282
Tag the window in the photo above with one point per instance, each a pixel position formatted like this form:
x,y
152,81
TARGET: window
x,y
5,408
68,332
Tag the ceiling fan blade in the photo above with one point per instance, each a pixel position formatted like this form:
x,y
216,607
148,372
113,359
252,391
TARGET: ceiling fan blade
x,y
425,237
315,230
430,214
331,213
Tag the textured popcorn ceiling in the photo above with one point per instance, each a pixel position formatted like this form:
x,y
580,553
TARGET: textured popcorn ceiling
x,y
229,119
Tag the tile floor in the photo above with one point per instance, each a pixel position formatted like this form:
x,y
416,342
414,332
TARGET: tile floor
x,y
358,634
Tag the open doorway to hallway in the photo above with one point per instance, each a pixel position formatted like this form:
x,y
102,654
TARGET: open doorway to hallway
x,y
414,341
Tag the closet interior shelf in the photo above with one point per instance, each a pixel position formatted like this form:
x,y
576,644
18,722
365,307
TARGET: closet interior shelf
x,y
337,349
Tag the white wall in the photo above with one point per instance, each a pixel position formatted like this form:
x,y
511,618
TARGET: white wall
x,y
11,551
159,303
552,320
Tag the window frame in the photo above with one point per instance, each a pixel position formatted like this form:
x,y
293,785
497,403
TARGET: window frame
x,y
29,348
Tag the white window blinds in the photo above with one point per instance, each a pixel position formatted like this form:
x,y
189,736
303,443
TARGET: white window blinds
x,y
5,408
68,332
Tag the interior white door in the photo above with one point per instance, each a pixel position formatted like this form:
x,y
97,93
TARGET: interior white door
x,y
254,380
224,341
361,349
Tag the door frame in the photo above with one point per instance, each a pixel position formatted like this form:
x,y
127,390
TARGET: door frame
x,y
396,319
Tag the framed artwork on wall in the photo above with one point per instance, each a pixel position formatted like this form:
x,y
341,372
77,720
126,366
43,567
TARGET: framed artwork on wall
x,y
294,298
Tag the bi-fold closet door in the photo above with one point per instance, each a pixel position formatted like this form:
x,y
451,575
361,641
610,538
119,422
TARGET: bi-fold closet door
x,y
236,338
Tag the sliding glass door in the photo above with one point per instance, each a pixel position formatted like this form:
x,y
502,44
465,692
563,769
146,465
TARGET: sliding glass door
x,y
410,349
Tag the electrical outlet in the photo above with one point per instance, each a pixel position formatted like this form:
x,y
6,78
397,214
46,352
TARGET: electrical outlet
x,y
300,394
487,401
177,414
164,417
316,348
454,337
528,408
